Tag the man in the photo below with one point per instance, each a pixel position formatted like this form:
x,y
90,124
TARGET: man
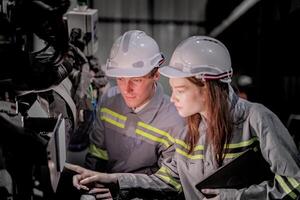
x,y
136,122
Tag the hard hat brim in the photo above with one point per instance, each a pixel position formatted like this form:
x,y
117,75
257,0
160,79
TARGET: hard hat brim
x,y
127,72
172,72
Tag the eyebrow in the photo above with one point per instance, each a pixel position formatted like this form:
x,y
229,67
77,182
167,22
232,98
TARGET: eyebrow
x,y
180,86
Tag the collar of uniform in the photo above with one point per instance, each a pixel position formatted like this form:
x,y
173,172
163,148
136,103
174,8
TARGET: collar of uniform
x,y
237,108
149,111
233,97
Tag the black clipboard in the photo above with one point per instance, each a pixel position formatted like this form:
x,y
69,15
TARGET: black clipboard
x,y
247,169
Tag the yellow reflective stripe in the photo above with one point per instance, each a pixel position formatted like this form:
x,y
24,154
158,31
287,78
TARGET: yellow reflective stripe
x,y
111,121
156,130
152,137
233,155
163,169
183,144
241,144
193,157
229,146
117,115
171,181
285,187
199,147
99,153
166,134
168,178
294,183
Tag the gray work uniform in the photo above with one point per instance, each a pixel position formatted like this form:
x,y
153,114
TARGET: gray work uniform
x,y
253,124
125,141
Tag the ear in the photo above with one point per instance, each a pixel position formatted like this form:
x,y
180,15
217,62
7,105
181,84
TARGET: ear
x,y
156,76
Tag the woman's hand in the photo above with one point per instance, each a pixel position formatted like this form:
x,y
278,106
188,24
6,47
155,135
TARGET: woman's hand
x,y
211,194
86,177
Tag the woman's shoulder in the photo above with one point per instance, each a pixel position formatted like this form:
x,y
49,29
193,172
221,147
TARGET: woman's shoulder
x,y
258,109
252,108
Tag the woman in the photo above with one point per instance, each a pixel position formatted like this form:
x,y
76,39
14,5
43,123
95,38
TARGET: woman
x,y
221,126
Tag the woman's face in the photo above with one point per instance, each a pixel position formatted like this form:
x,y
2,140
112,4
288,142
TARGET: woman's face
x,y
187,97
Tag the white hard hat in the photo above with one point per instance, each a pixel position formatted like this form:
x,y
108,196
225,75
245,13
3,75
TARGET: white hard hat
x,y
134,54
200,56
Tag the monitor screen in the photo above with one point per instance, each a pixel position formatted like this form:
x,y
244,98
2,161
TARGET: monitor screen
x,y
57,151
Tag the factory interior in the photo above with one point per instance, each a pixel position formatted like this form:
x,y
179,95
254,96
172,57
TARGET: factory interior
x,y
58,105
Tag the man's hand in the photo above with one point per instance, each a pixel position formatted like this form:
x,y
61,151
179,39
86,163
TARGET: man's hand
x,y
101,192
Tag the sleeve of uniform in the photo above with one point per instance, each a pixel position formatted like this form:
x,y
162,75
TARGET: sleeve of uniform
x,y
279,150
176,125
96,158
164,184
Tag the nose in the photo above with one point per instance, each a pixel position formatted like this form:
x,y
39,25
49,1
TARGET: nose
x,y
128,87
173,98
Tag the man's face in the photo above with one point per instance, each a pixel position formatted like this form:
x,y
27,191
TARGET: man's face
x,y
137,90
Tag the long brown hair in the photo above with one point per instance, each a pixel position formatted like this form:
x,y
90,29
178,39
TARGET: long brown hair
x,y
219,122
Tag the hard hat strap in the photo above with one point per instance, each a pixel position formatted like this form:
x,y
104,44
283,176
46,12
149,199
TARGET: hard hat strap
x,y
224,77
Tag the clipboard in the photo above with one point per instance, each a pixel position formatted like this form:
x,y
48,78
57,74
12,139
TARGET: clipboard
x,y
247,169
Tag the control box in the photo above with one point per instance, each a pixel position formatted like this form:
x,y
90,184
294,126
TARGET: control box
x,y
86,21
